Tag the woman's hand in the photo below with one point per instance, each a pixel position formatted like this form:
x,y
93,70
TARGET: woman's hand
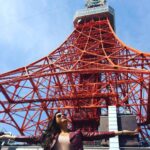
x,y
126,132
9,137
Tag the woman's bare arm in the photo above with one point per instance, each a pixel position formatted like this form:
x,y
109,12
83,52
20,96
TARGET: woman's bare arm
x,y
28,139
126,132
3,137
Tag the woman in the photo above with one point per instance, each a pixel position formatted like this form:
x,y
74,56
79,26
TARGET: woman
x,y
58,137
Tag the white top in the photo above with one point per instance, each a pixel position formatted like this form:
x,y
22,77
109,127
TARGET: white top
x,y
63,142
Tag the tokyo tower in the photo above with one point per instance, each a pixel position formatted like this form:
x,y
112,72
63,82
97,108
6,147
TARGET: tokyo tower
x,y
91,70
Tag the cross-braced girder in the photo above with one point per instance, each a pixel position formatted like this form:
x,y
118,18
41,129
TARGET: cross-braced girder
x,y
91,70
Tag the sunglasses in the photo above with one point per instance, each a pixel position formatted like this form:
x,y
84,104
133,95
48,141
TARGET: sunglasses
x,y
60,115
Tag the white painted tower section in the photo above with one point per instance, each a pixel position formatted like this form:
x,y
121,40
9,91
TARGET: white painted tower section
x,y
113,126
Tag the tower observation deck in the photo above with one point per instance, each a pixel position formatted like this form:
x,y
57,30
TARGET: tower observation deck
x,y
93,12
92,70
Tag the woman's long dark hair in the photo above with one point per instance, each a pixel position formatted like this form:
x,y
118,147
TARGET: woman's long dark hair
x,y
50,133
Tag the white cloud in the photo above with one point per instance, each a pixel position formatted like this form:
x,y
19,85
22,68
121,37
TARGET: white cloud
x,y
30,30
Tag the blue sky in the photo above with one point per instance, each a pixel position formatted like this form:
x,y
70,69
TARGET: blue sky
x,y
30,29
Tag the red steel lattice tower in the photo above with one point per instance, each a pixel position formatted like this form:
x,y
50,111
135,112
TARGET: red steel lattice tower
x,y
90,71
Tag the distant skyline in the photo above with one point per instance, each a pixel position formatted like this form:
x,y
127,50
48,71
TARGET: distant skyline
x,y
30,30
